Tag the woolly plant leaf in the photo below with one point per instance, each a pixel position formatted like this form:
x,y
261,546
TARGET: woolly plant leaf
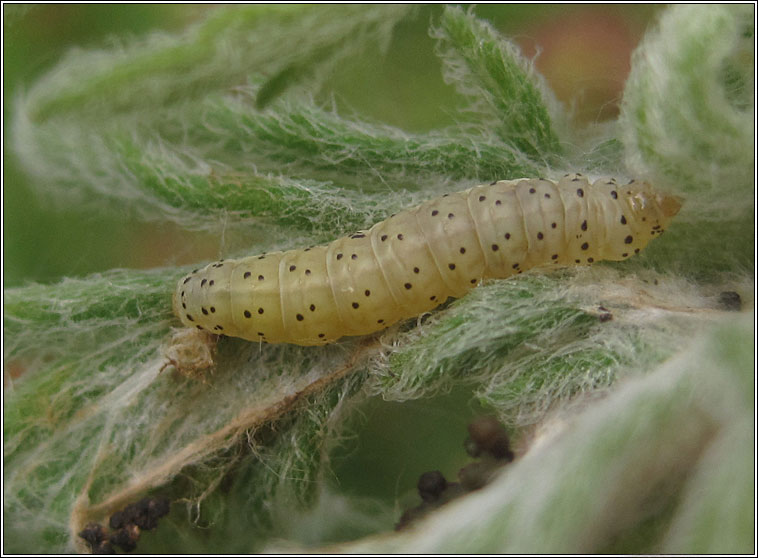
x,y
591,479
93,412
684,117
501,83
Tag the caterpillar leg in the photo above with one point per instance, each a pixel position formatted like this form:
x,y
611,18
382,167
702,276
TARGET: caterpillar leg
x,y
190,352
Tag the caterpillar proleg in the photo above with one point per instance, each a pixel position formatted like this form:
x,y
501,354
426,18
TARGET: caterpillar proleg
x,y
413,261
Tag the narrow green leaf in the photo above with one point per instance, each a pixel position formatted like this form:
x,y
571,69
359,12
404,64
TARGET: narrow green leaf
x,y
228,159
490,70
302,138
184,185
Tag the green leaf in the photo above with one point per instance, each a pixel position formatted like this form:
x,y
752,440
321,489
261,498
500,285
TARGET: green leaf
x,y
502,85
593,477
684,117
93,422
303,138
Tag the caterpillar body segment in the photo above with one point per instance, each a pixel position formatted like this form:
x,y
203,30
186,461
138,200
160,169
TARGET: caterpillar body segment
x,y
413,261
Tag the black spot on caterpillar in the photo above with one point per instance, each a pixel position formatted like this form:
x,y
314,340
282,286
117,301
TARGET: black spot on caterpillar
x,y
413,261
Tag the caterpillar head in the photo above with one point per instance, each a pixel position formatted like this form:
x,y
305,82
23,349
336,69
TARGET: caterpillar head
x,y
652,211
645,215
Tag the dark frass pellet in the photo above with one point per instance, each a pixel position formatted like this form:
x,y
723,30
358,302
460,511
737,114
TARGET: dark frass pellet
x,y
430,485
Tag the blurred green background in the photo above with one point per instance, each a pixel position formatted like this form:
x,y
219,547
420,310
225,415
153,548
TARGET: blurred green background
x,y
583,51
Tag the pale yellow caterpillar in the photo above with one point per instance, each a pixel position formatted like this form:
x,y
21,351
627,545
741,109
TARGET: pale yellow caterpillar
x,y
413,261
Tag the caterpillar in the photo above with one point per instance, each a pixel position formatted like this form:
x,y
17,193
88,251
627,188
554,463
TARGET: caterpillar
x,y
413,261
